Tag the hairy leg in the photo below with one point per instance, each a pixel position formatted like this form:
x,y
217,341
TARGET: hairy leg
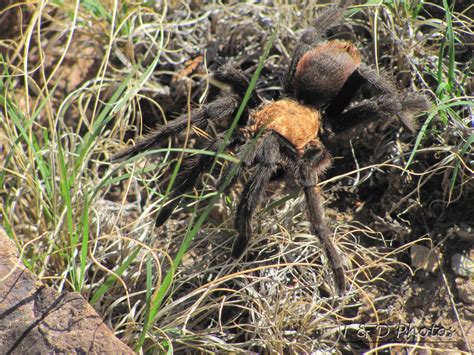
x,y
382,107
218,109
313,163
248,156
239,83
187,177
229,168
379,84
382,84
319,228
412,104
266,159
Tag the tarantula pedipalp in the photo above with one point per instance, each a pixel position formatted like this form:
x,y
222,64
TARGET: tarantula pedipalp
x,y
322,79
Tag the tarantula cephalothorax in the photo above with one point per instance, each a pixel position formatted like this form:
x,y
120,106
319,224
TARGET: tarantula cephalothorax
x,y
320,83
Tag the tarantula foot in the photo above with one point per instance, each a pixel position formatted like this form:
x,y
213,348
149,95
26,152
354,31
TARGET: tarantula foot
x,y
340,281
239,81
229,74
412,104
389,105
165,213
239,246
404,107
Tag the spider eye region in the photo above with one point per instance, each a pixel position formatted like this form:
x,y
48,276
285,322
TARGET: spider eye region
x,y
297,123
322,71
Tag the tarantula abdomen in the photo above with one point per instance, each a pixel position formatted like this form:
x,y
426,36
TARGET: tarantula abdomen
x,y
322,71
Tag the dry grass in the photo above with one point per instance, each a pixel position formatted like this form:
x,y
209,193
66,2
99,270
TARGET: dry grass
x,y
80,81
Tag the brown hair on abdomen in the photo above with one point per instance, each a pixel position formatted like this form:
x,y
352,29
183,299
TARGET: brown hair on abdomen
x,y
322,71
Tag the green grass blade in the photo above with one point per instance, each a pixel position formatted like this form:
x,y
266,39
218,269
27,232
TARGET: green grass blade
x,y
451,48
440,107
84,241
113,278
65,183
464,149
119,98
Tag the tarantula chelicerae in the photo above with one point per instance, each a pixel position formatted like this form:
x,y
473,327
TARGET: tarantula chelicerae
x,y
323,77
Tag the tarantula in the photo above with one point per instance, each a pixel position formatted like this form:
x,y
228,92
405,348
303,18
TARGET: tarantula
x,y
322,79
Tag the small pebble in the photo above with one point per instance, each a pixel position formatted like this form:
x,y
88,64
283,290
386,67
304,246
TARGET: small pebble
x,y
465,289
425,258
463,265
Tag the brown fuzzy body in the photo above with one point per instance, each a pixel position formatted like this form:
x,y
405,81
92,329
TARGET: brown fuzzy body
x,y
297,123
322,71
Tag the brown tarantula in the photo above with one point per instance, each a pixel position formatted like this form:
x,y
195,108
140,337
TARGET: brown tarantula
x,y
323,77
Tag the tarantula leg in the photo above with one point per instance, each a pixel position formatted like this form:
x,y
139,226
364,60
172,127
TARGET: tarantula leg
x,y
248,157
381,84
319,228
250,198
345,95
314,162
218,109
413,104
224,107
331,17
229,169
160,134
266,160
244,153
239,82
187,177
391,101
382,107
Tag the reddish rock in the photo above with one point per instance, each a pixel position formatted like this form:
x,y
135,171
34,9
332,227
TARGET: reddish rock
x,y
36,319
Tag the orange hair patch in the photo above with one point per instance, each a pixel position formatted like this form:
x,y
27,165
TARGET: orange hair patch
x,y
299,124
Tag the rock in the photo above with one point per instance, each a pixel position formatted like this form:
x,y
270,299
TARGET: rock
x,y
465,289
425,258
463,265
36,319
